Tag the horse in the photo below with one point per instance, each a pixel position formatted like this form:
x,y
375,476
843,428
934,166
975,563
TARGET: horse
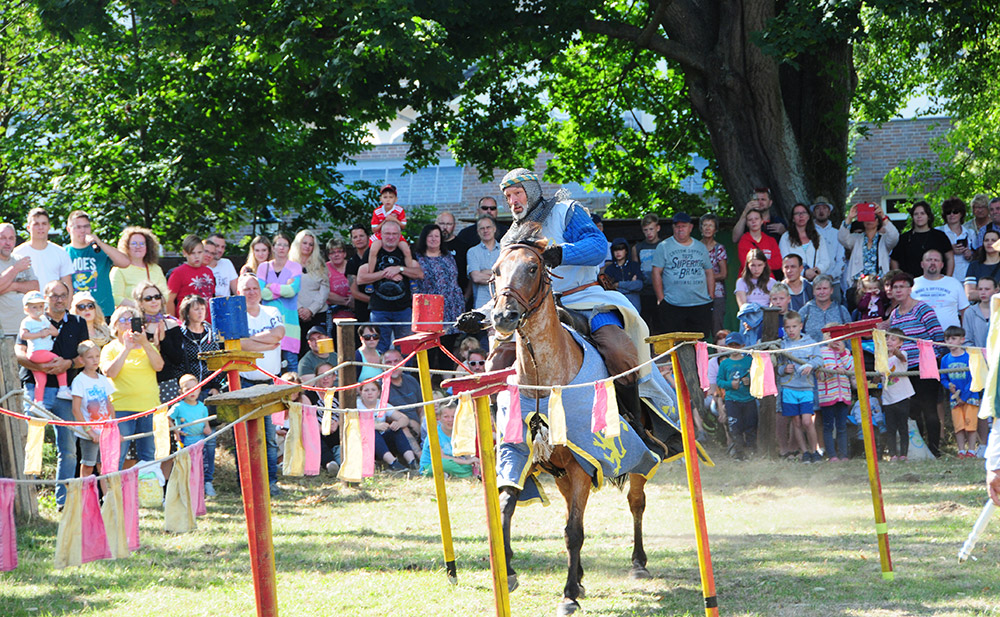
x,y
549,354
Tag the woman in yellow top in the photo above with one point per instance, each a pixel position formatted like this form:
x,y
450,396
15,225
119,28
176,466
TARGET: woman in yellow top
x,y
131,361
143,252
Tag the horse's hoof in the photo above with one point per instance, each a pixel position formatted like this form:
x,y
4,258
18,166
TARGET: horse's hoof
x,y
582,593
512,583
567,607
639,573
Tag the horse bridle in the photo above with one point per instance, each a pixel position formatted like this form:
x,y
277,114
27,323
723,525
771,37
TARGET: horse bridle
x,y
540,293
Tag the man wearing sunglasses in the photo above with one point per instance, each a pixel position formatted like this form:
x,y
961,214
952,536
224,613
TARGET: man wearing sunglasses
x,y
72,331
488,206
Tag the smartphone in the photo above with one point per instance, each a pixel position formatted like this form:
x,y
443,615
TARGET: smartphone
x,y
962,242
137,324
866,212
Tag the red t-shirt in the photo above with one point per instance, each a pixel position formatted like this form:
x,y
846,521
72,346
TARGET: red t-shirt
x,y
767,244
185,281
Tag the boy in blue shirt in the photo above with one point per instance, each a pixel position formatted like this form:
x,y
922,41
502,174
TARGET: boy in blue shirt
x,y
964,402
797,383
190,409
734,380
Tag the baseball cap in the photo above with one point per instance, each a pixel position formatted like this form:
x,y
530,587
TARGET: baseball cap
x,y
682,217
317,330
33,297
821,200
388,187
735,338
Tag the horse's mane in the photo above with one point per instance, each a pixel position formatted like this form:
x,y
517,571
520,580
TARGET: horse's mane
x,y
530,234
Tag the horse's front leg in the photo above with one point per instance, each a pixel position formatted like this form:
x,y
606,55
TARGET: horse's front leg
x,y
637,504
508,500
575,488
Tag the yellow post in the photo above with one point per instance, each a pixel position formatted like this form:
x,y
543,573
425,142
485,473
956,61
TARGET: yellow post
x,y
435,452
487,458
662,343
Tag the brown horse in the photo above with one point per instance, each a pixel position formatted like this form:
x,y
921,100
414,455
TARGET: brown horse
x,y
548,355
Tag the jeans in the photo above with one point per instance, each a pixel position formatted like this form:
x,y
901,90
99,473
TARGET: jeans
x,y
65,438
145,447
208,454
270,438
289,362
387,334
835,415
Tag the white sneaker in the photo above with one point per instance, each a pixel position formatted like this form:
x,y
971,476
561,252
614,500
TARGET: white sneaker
x,y
332,468
209,490
64,393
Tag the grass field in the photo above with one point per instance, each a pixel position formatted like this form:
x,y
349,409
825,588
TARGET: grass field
x,y
787,539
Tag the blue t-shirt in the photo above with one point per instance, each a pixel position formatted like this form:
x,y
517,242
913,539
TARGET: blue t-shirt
x,y
962,381
91,272
182,413
683,274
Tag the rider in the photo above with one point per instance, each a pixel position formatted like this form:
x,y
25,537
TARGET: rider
x,y
575,252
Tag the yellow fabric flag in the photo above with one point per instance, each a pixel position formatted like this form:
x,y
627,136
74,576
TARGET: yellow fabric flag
x,y
326,424
978,369
987,406
69,538
611,418
113,513
33,447
294,463
881,352
161,432
463,434
557,418
350,470
178,515
762,376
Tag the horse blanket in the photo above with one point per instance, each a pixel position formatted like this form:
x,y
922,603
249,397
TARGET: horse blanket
x,y
600,456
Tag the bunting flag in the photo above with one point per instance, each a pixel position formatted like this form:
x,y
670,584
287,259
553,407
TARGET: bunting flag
x,y
928,361
161,432
178,516
383,400
111,446
463,435
310,440
598,414
294,460
198,478
350,470
8,533
113,513
33,447
701,360
366,422
327,423
987,405
130,505
612,418
278,418
94,540
514,431
557,418
881,352
762,376
978,369
69,546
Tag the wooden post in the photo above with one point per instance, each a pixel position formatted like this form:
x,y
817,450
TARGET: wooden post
x,y
662,343
767,444
346,375
14,434
496,381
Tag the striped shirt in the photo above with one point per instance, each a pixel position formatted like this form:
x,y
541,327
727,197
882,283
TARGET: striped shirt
x,y
920,322
834,388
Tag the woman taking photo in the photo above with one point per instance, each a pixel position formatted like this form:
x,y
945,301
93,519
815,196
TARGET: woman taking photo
x,y
260,251
89,310
315,286
869,246
196,338
143,252
953,210
280,282
131,361
803,240
339,300
164,332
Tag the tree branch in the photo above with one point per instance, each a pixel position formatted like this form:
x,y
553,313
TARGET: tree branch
x,y
658,44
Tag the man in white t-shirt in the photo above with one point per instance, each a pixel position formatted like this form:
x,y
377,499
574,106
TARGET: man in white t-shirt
x,y
944,293
821,211
266,331
48,261
222,268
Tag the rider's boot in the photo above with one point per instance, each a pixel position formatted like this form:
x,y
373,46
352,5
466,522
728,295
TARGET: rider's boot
x,y
618,351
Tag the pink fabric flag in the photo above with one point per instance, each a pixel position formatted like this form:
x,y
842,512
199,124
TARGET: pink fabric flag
x,y
928,361
598,416
701,359
278,418
94,540
383,401
310,439
110,443
197,479
770,388
514,431
130,501
366,421
8,533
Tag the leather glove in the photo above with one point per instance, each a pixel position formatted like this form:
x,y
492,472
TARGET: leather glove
x,y
471,322
552,255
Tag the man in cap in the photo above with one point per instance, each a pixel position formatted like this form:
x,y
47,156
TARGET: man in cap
x,y
821,211
684,281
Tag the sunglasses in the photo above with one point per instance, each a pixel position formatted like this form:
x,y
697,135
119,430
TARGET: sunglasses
x,y
137,244
487,207
370,337
87,306
152,297
126,319
477,362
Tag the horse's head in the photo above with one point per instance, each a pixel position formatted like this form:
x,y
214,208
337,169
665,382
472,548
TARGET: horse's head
x,y
521,282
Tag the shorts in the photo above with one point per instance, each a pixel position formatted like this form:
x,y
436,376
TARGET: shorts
x,y
965,417
797,403
90,452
